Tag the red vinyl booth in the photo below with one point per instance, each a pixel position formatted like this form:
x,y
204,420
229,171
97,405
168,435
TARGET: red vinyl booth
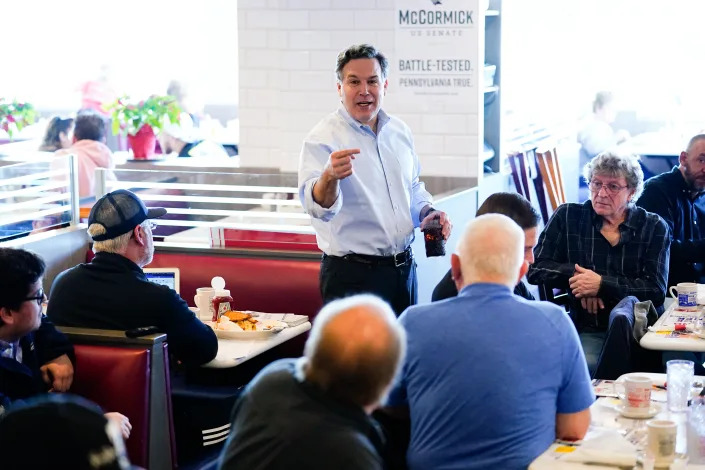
x,y
130,376
103,374
260,283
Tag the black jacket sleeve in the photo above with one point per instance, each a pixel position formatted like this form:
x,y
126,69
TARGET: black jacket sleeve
x,y
51,343
445,289
551,265
190,340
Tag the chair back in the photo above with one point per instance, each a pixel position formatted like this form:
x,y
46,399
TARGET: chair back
x,y
517,161
547,162
130,376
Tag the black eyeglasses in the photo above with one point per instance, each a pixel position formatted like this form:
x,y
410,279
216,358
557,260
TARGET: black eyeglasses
x,y
39,298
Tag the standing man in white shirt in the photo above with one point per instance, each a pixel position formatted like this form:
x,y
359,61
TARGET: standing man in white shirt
x,y
359,182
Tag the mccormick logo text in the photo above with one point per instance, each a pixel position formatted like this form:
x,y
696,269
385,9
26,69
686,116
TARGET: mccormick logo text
x,y
434,17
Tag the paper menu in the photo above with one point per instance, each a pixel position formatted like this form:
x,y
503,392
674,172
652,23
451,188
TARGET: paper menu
x,y
291,319
604,388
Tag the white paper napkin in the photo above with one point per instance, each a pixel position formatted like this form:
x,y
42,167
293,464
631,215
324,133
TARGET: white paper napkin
x,y
606,446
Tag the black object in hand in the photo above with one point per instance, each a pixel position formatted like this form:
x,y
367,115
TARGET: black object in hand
x,y
433,236
141,331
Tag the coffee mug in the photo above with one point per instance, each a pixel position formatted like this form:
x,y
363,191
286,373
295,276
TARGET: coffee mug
x,y
687,295
202,299
662,440
636,397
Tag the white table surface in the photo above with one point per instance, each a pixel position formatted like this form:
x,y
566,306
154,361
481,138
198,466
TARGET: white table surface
x,y
232,352
662,339
605,416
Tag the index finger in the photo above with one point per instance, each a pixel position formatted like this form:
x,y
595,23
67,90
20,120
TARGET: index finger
x,y
344,153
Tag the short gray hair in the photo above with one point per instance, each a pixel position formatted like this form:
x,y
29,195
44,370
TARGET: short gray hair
x,y
614,165
491,249
354,367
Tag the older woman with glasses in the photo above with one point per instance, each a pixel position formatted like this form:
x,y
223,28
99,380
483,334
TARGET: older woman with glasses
x,y
606,248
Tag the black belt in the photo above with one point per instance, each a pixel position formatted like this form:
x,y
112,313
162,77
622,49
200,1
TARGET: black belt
x,y
398,260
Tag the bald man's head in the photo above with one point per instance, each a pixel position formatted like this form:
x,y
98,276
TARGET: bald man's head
x,y
491,250
355,349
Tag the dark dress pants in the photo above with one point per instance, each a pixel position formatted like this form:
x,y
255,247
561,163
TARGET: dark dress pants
x,y
342,278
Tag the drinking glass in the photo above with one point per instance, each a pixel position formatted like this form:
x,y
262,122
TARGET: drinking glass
x,y
679,379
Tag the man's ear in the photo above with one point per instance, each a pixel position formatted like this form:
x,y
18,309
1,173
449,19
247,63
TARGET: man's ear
x,y
683,158
455,271
340,88
523,270
6,316
139,235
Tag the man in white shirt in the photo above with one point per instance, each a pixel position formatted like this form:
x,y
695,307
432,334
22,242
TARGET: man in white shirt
x,y
359,182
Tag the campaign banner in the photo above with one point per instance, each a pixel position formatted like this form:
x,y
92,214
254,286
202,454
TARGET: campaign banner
x,y
436,48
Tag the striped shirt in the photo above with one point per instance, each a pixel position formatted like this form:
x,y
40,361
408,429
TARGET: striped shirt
x,y
637,265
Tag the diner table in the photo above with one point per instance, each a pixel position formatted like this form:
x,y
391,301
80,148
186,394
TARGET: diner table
x,y
609,430
233,352
663,337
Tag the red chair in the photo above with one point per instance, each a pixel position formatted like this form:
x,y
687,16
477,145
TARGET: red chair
x,y
130,376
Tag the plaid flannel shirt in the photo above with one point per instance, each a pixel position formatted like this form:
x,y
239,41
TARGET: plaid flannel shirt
x,y
637,265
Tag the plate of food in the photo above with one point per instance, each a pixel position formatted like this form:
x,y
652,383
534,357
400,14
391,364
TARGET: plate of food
x,y
236,324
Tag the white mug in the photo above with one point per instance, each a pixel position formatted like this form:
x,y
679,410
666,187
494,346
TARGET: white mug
x,y
637,393
202,299
687,295
662,440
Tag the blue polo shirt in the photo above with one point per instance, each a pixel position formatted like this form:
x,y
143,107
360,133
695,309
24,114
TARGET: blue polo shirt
x,y
484,376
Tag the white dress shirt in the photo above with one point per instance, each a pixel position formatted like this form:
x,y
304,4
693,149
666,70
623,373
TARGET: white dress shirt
x,y
378,205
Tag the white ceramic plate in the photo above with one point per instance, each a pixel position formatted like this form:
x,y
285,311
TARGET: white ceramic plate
x,y
652,411
265,329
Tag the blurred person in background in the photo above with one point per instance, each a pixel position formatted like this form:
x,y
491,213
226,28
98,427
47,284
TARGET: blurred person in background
x,y
597,134
186,141
89,148
58,135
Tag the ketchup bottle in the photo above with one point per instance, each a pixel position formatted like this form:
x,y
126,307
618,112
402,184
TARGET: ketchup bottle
x,y
221,301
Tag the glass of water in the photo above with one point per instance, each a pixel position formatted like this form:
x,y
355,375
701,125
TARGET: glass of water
x,y
680,377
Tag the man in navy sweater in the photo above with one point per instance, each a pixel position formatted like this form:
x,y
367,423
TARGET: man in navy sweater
x,y
112,291
677,196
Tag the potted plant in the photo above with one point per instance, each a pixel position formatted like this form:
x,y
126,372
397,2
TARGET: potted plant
x,y
140,121
14,116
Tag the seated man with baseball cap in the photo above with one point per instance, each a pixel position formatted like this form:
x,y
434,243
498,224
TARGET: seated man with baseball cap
x,y
112,292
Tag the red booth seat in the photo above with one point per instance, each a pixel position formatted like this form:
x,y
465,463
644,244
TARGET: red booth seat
x,y
264,284
130,376
118,380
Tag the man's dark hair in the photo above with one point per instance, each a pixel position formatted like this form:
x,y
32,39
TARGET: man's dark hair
x,y
89,126
19,269
361,51
513,205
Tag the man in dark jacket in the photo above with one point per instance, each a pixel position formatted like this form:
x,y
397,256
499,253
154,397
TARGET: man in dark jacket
x,y
34,356
677,196
516,207
112,291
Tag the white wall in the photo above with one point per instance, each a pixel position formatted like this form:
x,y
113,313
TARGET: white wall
x,y
287,51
